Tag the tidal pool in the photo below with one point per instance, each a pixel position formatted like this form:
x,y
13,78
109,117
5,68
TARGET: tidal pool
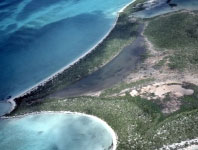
x,y
164,8
56,131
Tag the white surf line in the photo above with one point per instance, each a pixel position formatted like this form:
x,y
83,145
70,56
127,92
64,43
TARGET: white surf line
x,y
123,8
51,77
180,145
104,123
11,108
13,105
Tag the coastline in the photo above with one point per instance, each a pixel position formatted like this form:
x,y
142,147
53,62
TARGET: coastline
x,y
168,130
104,123
114,71
123,8
54,75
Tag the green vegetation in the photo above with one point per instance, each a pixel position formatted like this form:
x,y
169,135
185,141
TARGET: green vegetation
x,y
178,33
138,122
161,63
122,35
189,102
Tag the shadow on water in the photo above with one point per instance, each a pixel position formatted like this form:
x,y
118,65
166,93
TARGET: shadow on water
x,y
25,36
112,73
7,4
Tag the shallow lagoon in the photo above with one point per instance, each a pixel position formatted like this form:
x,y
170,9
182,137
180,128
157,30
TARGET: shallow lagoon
x,y
56,131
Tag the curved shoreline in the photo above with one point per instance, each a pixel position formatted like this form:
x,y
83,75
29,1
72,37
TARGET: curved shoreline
x,y
54,75
104,123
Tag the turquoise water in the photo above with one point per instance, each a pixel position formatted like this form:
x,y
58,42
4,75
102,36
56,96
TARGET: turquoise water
x,y
165,8
54,131
39,38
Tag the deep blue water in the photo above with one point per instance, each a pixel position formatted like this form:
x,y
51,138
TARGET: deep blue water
x,y
39,37
55,131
